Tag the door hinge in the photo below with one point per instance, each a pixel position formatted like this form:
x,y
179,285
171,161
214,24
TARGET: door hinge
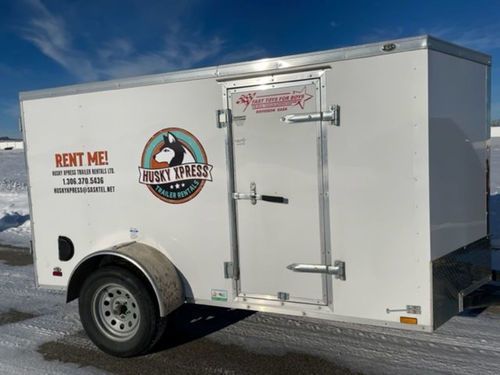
x,y
228,270
335,120
223,118
337,270
283,296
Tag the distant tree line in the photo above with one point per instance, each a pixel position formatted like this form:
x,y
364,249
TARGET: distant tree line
x,y
9,139
495,122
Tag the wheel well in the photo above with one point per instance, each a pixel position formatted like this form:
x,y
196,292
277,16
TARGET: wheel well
x,y
89,266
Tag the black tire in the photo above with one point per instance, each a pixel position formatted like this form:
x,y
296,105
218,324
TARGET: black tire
x,y
119,312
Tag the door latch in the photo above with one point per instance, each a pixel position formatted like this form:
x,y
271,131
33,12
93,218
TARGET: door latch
x,y
337,270
332,115
410,309
254,197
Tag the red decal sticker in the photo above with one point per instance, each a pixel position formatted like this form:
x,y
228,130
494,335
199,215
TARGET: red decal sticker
x,y
274,102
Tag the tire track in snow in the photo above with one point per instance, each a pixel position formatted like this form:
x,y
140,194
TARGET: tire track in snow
x,y
19,341
366,349
375,349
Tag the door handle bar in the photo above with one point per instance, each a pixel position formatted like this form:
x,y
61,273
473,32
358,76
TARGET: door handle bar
x,y
274,199
337,270
254,197
257,197
332,115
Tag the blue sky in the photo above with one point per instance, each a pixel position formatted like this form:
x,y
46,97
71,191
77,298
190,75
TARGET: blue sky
x,y
48,43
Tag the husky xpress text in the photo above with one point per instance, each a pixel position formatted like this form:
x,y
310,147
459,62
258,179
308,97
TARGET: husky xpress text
x,y
175,174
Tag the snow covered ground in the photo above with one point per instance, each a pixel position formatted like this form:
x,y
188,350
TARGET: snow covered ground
x,y
49,319
47,339
14,212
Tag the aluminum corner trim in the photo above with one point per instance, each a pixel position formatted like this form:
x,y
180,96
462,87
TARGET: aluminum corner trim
x,y
274,65
439,45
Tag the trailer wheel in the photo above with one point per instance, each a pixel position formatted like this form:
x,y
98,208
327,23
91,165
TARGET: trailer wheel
x,y
119,313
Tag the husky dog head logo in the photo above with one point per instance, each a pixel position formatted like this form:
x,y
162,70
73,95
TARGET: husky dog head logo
x,y
173,152
174,166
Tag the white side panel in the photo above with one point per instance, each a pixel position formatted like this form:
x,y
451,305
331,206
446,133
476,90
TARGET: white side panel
x,y
458,132
378,181
194,235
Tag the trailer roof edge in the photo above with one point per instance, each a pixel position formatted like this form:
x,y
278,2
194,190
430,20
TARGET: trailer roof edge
x,y
268,64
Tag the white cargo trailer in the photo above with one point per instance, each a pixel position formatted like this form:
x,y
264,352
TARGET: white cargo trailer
x,y
346,185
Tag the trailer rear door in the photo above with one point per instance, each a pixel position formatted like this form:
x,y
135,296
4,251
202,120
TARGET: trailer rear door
x,y
279,190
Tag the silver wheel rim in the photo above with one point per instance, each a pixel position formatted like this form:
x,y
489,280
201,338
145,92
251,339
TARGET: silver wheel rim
x,y
116,312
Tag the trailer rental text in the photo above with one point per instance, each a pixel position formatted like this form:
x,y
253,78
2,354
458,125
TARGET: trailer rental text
x,y
77,159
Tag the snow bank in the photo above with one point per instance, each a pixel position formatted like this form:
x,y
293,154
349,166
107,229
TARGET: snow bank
x,y
14,212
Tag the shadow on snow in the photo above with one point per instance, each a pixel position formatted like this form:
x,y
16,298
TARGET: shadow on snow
x,y
192,322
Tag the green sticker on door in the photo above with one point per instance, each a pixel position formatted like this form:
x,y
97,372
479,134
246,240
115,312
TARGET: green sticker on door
x,y
219,295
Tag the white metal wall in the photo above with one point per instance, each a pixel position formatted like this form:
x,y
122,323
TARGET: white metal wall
x,y
458,132
194,235
378,181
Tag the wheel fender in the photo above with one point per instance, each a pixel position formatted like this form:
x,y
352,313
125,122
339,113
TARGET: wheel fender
x,y
156,268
